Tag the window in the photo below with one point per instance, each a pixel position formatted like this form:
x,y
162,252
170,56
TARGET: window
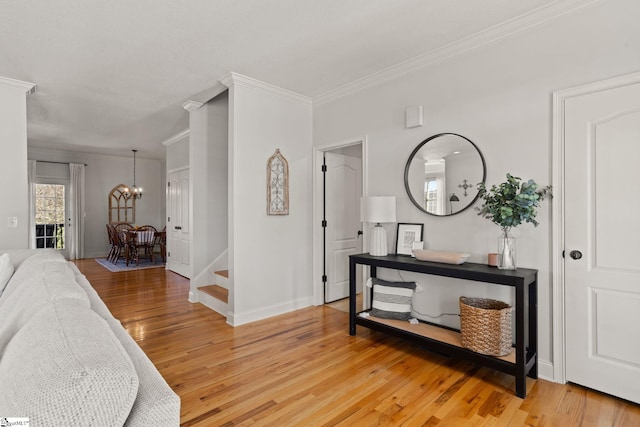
x,y
431,195
50,214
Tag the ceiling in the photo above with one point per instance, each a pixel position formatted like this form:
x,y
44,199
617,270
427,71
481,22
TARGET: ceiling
x,y
112,75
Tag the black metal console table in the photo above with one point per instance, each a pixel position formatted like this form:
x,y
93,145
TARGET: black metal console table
x,y
523,280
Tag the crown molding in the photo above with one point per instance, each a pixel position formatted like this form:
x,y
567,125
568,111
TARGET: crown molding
x,y
66,154
175,138
192,105
232,79
482,38
210,93
29,88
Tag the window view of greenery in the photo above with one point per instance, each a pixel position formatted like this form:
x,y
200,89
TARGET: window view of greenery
x,y
50,216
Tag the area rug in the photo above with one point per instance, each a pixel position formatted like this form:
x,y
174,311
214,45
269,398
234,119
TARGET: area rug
x,y
122,266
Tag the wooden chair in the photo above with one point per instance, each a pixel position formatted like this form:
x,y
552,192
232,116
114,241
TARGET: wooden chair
x,y
161,242
112,248
122,226
118,243
141,243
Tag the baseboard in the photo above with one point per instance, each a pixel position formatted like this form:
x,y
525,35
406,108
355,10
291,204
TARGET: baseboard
x,y
192,297
545,370
95,255
237,319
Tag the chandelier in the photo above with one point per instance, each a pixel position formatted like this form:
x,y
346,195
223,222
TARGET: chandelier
x,y
134,191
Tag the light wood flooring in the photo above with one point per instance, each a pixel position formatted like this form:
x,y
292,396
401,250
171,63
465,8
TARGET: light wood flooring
x,y
303,369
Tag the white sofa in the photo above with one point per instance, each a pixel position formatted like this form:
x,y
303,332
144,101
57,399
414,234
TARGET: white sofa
x,y
64,359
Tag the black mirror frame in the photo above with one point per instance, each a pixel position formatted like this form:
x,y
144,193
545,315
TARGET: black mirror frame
x,y
412,155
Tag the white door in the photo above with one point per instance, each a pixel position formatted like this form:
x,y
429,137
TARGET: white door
x,y
343,188
602,240
52,220
178,234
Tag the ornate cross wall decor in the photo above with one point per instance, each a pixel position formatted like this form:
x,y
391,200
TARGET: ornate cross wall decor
x,y
277,185
464,186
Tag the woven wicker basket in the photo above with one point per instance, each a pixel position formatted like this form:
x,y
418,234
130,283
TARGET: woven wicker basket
x,y
485,326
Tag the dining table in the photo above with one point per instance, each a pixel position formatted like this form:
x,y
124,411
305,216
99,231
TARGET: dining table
x,y
130,238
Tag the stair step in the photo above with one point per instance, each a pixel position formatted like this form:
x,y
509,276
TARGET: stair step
x,y
216,291
223,273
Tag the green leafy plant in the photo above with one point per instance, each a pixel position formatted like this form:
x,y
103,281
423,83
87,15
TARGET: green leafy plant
x,y
512,202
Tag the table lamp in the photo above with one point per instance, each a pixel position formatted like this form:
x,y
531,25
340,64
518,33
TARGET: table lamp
x,y
378,209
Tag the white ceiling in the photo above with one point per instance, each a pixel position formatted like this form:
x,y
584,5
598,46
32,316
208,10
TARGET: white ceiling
x,y
112,75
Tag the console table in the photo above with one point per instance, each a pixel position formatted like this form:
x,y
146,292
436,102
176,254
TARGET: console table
x,y
447,340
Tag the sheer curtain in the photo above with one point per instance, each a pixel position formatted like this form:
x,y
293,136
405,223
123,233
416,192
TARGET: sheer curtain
x,y
75,230
32,203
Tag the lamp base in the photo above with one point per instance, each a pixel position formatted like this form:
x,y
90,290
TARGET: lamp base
x,y
378,245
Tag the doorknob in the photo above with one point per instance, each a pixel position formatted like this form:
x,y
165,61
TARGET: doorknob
x,y
575,254
177,227
359,233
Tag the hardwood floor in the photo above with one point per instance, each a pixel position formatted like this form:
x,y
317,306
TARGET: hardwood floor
x,y
303,369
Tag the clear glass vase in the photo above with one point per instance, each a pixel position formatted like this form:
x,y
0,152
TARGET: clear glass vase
x,y
506,251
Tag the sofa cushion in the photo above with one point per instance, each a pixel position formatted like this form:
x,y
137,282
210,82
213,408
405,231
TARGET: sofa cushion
x,y
66,367
19,255
156,404
96,302
33,264
6,271
25,296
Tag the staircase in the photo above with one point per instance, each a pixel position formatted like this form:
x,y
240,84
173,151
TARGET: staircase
x,y
216,296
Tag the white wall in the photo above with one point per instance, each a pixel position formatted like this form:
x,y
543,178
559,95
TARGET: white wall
x,y
177,154
13,165
458,167
498,96
102,174
269,256
208,162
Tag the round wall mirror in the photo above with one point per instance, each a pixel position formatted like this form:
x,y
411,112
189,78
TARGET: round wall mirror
x,y
442,174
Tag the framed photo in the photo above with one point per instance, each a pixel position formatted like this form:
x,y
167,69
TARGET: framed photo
x,y
407,234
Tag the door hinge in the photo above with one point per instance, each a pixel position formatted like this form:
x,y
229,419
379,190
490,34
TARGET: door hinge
x,y
563,253
324,223
324,278
168,183
324,168
168,219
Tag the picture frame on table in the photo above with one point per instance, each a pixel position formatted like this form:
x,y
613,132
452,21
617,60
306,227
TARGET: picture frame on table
x,y
407,234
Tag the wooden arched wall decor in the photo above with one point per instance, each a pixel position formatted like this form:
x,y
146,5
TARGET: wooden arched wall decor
x,y
121,208
277,185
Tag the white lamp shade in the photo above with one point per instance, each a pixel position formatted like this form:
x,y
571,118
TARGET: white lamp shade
x,y
378,209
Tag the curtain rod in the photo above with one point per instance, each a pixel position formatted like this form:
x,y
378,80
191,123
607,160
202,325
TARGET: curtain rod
x,y
58,163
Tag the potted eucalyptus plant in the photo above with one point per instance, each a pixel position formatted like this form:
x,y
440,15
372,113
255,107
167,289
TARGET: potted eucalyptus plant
x,y
508,205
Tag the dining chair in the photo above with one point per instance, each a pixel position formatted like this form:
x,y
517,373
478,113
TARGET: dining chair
x,y
118,244
142,242
112,247
161,242
122,228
